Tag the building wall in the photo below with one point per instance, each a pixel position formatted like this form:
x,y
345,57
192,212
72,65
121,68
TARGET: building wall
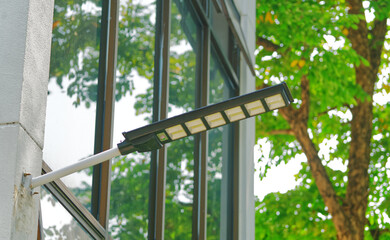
x,y
25,28
247,11
25,38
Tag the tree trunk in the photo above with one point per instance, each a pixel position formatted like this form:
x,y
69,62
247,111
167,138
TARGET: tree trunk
x,y
341,220
362,115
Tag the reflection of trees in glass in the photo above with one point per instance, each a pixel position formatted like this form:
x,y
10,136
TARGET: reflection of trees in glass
x,y
135,45
70,230
129,197
67,231
179,189
214,181
75,47
217,143
182,80
84,191
180,159
74,67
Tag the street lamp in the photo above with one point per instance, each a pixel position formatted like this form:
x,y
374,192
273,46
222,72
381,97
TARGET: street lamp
x,y
155,135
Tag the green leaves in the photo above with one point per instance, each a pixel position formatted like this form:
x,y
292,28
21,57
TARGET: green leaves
x,y
298,39
301,30
130,197
297,214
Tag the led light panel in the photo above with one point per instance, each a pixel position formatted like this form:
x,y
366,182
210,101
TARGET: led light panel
x,y
275,102
215,120
235,114
254,108
196,126
176,132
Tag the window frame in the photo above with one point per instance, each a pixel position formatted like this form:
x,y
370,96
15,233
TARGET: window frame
x,y
96,223
70,202
159,158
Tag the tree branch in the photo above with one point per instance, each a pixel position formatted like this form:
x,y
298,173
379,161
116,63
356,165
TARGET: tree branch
x,y
376,232
298,123
281,131
360,43
330,109
324,185
305,95
267,44
326,112
302,114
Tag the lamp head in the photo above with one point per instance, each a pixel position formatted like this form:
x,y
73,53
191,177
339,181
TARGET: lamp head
x,y
155,135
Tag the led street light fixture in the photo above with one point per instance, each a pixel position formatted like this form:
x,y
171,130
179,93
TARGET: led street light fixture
x,y
155,135
208,117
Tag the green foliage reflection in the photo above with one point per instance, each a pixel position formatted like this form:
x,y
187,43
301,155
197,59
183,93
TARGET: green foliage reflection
x,y
74,68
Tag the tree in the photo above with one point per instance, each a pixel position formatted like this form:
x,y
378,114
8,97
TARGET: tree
x,y
334,85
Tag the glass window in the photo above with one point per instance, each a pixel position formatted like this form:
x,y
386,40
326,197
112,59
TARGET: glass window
x,y
184,52
57,223
130,175
71,103
220,29
220,158
71,116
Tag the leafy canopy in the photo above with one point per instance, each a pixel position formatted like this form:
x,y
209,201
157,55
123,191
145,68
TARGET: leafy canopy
x,y
298,39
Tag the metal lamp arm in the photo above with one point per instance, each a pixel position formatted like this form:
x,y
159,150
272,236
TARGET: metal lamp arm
x,y
84,163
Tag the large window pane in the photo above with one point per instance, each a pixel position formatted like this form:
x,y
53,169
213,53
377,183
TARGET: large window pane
x,y
133,108
57,223
219,199
71,108
180,154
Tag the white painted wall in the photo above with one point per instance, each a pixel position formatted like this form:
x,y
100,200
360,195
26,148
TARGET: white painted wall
x,y
246,202
25,37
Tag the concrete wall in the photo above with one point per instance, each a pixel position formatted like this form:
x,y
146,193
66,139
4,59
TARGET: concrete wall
x,y
25,37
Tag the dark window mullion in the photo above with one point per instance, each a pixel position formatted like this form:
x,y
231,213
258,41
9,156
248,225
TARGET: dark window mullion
x,y
105,178
160,109
155,118
234,165
204,136
104,109
100,110
235,171
232,180
198,210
